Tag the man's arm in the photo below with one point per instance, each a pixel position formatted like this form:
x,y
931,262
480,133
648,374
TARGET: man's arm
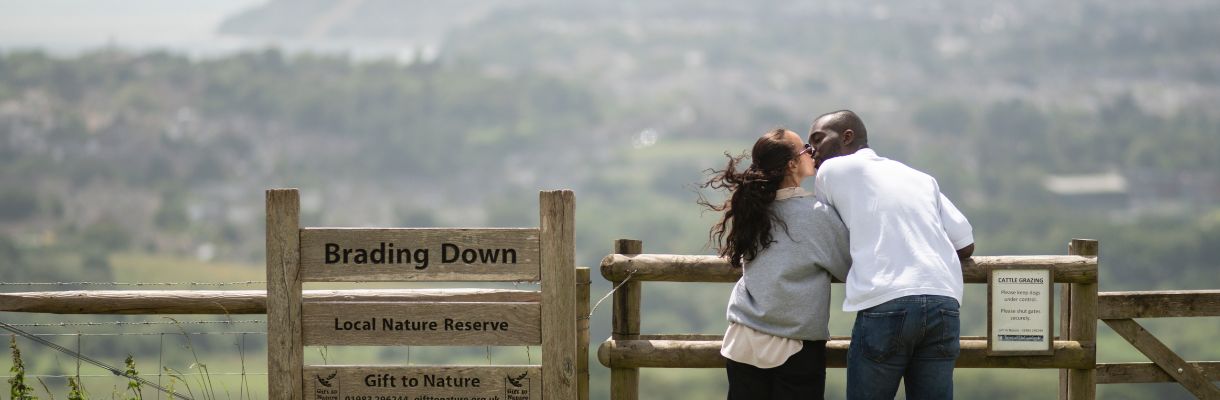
x,y
965,252
835,246
961,234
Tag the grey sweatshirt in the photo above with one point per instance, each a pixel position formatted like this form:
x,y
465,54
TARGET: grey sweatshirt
x,y
785,290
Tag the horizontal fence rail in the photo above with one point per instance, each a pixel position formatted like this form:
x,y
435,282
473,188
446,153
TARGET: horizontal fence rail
x,y
682,351
228,301
1158,304
707,268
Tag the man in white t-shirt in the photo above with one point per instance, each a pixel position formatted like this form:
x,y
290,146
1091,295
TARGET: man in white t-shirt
x,y
907,241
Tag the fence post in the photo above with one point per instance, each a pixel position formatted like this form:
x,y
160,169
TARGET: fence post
x,y
1082,325
625,382
285,356
557,256
1065,330
582,332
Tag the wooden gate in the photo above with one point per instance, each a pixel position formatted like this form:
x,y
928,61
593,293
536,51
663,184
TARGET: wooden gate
x,y
1119,310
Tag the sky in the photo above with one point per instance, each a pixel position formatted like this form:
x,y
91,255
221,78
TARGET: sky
x,y
70,26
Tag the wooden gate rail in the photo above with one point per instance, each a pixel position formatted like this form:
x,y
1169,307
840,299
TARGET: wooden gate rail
x,y
627,350
1158,304
1118,310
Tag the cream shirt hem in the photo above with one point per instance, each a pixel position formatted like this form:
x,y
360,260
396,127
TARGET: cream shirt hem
x,y
748,346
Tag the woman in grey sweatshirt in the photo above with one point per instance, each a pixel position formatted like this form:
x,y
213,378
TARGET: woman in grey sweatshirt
x,y
788,245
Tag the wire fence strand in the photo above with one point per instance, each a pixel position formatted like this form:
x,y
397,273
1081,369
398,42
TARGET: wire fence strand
x,y
238,283
112,376
612,290
81,357
144,333
122,323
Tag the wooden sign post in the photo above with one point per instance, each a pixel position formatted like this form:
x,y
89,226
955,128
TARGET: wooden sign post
x,y
544,254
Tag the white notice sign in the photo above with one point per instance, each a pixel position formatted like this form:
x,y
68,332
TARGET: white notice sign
x,y
1019,312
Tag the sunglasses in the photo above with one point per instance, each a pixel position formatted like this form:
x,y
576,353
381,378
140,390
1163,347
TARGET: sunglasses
x,y
808,149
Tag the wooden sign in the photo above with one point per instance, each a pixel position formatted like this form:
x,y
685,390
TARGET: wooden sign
x,y
407,254
545,254
352,382
1019,312
421,324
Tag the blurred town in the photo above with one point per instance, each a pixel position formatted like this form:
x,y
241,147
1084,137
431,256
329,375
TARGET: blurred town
x,y
1044,120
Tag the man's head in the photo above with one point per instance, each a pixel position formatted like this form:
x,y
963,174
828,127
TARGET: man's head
x,y
836,134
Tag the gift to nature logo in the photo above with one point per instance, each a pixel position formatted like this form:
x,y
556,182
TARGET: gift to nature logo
x,y
517,388
326,388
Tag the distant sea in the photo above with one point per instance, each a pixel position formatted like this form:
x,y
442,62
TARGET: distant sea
x,y
71,27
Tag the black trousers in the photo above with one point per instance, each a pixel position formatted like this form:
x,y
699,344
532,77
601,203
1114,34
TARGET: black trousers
x,y
803,376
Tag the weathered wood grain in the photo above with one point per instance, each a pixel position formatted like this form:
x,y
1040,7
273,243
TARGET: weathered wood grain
x,y
1150,372
1169,362
660,353
707,268
285,354
1082,382
1067,269
625,323
229,302
557,233
1065,330
1158,304
582,332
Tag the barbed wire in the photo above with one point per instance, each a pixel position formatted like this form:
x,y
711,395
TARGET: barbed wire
x,y
81,357
145,333
133,283
149,375
236,283
612,290
105,323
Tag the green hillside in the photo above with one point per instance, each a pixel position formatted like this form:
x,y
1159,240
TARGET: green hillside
x,y
1042,121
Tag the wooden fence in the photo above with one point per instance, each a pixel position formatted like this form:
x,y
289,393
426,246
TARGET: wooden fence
x,y
1074,351
628,350
236,302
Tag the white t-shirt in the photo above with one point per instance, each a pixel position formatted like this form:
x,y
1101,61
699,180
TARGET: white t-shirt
x,y
903,233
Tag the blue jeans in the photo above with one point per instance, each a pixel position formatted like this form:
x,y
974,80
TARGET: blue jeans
x,y
912,338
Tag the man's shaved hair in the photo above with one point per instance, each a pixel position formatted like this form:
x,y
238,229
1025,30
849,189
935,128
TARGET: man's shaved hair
x,y
842,120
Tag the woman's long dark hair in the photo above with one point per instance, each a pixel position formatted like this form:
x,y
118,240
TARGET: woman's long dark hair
x,y
744,228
